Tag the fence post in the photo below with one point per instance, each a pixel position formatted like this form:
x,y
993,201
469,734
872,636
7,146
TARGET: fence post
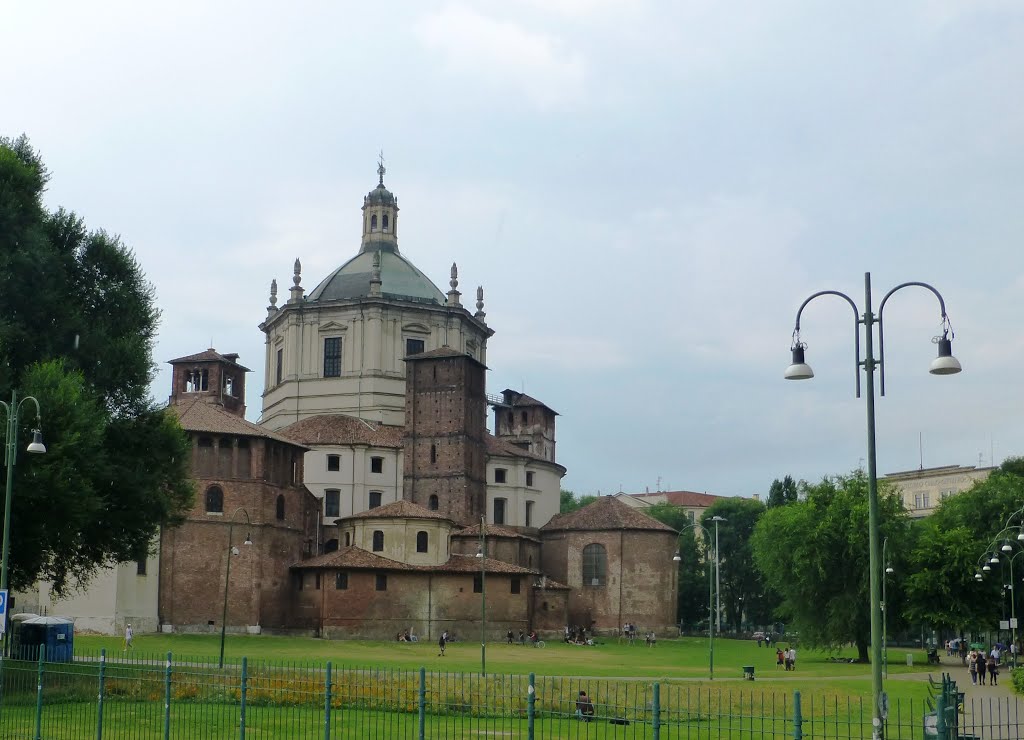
x,y
423,703
656,711
940,715
798,720
99,700
531,710
245,681
167,698
327,704
39,693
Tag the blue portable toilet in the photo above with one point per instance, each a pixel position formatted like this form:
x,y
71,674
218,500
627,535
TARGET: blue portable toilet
x,y
56,634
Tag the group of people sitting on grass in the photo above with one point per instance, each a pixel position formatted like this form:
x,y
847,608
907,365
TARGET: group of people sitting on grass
x,y
577,636
406,636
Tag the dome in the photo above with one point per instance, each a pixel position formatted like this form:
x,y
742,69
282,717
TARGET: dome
x,y
379,196
399,279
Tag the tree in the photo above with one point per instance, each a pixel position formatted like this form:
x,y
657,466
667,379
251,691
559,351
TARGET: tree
x,y
941,587
570,502
783,492
77,325
692,595
814,555
742,589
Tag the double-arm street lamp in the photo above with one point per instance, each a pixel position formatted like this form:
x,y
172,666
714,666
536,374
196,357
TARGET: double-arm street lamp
x,y
482,554
227,573
944,364
711,599
36,446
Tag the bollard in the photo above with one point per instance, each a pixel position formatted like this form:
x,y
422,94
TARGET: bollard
x,y
798,729
39,694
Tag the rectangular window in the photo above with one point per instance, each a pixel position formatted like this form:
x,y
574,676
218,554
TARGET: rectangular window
x,y
279,374
529,513
332,502
499,510
500,475
341,581
925,497
334,463
382,581
376,464
332,357
529,479
515,586
375,497
478,583
316,581
140,567
917,500
414,346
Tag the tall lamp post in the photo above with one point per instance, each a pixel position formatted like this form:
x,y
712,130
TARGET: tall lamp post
x,y
711,600
991,557
37,447
718,577
887,571
944,364
482,554
227,574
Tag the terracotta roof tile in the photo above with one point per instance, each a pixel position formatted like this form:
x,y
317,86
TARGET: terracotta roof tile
x,y
606,513
354,558
398,509
210,355
338,429
551,584
493,530
515,398
677,498
197,416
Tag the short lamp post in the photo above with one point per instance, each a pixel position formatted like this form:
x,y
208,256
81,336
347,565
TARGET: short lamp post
x,y
718,577
36,446
227,574
711,600
482,554
944,364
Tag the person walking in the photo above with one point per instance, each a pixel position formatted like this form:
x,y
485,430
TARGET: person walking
x,y
981,666
129,635
993,670
972,666
442,641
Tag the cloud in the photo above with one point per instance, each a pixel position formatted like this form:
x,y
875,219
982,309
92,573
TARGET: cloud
x,y
504,55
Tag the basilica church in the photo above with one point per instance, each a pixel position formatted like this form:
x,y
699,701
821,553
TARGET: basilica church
x,y
383,488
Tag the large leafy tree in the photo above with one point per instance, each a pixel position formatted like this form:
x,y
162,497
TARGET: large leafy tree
x,y
782,492
569,501
814,554
77,325
692,604
941,587
742,588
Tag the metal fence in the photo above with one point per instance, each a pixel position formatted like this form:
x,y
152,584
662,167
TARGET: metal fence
x,y
159,697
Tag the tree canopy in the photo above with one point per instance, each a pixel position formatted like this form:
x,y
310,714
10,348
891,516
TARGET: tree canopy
x,y
782,492
77,325
742,588
814,554
569,501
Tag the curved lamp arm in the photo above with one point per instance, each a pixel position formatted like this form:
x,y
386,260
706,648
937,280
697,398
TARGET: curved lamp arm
x,y
947,328
798,345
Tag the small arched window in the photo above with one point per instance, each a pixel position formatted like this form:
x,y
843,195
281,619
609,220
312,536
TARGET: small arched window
x,y
280,507
433,453
214,500
421,542
384,222
378,541
432,503
348,539
595,565
373,222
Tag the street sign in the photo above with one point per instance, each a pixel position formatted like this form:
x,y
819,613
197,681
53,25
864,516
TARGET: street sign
x,y
3,611
1013,623
1004,624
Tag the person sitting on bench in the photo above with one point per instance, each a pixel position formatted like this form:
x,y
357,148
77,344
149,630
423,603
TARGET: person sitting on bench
x,y
584,707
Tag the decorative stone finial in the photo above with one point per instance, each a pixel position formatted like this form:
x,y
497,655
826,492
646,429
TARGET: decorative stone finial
x,y
273,296
480,303
453,294
296,289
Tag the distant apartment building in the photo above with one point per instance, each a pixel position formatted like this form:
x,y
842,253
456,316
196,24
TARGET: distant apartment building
x,y
923,489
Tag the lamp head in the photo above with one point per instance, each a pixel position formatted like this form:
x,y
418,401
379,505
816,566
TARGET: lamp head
x,y
995,558
248,539
889,570
986,567
978,577
1006,546
945,363
1020,535
36,446
798,369
677,557
479,553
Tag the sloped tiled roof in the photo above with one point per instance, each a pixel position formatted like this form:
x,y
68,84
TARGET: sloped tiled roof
x,y
354,558
338,429
493,530
400,509
197,416
606,513
691,499
551,584
521,399
210,355
441,352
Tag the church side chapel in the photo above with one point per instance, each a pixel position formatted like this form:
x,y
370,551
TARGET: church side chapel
x,y
401,509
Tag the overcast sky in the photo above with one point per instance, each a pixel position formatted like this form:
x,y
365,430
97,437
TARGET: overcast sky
x,y
646,190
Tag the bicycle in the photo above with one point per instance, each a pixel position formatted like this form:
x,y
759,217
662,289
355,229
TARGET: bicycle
x,y
538,643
